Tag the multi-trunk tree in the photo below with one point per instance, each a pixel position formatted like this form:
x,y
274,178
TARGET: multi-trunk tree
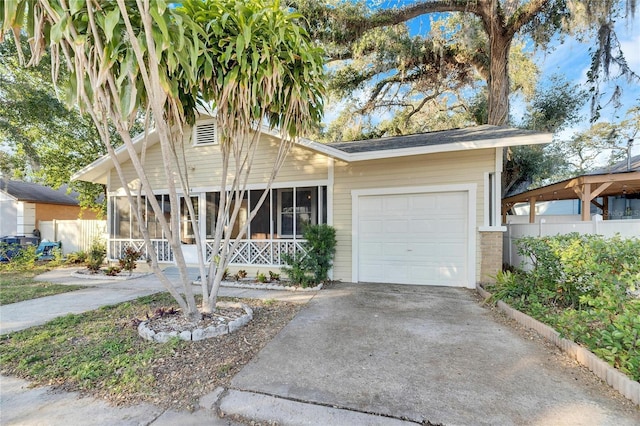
x,y
248,59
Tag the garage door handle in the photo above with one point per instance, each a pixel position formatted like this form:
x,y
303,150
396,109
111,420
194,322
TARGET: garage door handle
x,y
409,250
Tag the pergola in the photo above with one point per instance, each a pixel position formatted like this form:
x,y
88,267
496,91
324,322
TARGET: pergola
x,y
586,188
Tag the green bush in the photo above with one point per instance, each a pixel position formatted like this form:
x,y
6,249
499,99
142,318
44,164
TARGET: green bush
x,y
96,255
25,258
127,261
76,257
313,267
583,286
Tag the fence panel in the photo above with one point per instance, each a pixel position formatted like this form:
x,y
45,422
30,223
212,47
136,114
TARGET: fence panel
x,y
75,235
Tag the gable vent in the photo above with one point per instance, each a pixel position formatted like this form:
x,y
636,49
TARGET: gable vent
x,y
206,134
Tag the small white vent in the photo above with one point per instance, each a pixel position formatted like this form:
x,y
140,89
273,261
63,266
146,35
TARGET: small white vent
x,y
205,133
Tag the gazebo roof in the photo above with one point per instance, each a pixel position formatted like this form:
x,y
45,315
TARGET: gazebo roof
x,y
615,180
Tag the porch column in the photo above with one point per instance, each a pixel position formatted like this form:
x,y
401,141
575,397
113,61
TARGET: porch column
x,y
586,202
532,210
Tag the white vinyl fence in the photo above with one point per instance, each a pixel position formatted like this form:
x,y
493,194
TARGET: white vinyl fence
x,y
608,228
75,235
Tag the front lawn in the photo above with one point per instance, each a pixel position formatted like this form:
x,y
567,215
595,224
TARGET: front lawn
x,y
586,287
16,286
101,353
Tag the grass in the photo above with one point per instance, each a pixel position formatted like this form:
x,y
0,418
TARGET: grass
x,y
16,286
100,348
100,353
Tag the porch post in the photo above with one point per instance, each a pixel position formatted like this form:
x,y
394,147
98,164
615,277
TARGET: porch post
x,y
586,202
532,210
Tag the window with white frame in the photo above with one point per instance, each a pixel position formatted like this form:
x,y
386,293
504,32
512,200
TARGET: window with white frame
x,y
492,199
205,133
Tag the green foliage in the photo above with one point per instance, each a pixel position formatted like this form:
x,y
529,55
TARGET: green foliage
x,y
96,255
313,267
25,259
584,286
76,257
48,142
274,276
112,271
261,277
128,260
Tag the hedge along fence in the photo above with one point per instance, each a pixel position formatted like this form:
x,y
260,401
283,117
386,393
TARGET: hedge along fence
x,y
586,287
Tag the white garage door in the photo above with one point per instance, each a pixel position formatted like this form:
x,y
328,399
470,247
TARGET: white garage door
x,y
414,238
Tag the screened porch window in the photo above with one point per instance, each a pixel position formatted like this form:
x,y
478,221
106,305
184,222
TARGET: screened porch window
x,y
283,211
123,219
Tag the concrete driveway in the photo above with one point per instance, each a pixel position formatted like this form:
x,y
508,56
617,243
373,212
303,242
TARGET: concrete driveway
x,y
424,354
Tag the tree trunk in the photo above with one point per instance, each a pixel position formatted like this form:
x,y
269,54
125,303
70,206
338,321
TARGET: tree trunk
x,y
498,82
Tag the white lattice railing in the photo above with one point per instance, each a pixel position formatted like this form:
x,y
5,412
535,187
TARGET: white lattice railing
x,y
248,252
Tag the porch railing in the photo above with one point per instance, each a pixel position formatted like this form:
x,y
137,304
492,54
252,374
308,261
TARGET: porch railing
x,y
249,252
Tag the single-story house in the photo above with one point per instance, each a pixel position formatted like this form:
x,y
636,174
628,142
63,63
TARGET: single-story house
x,y
420,209
23,205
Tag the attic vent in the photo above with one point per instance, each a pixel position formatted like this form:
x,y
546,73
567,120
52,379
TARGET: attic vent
x,y
205,133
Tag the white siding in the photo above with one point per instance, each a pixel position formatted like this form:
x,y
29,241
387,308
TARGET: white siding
x,y
204,166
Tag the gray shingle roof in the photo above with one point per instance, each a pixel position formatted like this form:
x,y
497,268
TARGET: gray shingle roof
x,y
469,134
619,167
32,192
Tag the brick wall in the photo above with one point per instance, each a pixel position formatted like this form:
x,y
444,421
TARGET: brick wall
x,y
491,255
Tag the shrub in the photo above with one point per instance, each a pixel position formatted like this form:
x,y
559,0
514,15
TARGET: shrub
x,y
112,271
128,260
76,257
583,286
313,267
261,278
96,255
273,276
22,257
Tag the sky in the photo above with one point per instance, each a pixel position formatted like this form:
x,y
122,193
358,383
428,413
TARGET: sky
x,y
572,60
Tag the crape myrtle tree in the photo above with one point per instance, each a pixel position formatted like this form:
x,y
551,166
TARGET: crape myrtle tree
x,y
369,44
248,59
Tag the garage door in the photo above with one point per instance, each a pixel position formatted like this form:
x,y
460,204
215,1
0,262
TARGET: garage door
x,y
414,238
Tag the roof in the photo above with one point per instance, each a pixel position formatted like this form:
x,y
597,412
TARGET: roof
x,y
623,166
479,137
32,192
618,180
473,135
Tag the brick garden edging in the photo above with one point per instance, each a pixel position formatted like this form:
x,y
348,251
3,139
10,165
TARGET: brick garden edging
x,y
628,388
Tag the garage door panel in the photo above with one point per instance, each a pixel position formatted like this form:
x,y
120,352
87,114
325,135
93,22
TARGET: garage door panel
x,y
414,239
395,226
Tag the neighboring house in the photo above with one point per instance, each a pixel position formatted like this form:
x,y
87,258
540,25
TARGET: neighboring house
x,y
24,205
419,209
